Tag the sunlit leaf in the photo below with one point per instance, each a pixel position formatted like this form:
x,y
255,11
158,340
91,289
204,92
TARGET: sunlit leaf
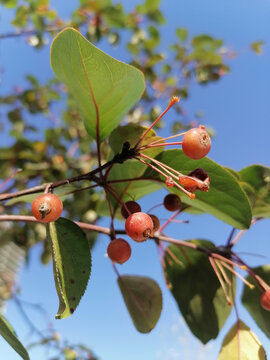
x,y
71,264
241,344
143,299
104,87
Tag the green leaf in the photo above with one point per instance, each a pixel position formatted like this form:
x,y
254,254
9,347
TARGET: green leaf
x,y
196,289
251,300
182,34
104,88
257,47
71,264
132,133
257,177
241,344
225,200
10,336
143,300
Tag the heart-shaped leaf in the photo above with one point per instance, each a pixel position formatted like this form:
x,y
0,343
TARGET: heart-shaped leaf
x,y
71,264
143,300
251,300
196,289
225,200
257,178
241,344
10,336
105,88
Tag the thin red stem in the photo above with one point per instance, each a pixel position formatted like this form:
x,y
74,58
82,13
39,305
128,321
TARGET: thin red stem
x,y
157,145
168,221
167,138
172,102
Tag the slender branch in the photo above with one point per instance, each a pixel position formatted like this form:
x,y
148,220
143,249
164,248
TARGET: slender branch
x,y
127,153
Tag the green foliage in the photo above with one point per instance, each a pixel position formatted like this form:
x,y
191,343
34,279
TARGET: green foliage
x,y
226,199
71,264
196,289
256,182
241,343
143,299
9,335
104,88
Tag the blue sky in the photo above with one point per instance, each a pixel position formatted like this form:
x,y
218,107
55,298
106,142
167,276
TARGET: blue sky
x,y
238,108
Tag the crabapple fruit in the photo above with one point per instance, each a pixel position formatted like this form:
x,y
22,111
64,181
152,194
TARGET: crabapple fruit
x,y
265,300
139,226
47,207
132,207
119,250
172,202
196,143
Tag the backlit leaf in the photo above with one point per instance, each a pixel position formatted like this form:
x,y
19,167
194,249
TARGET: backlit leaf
x,y
241,344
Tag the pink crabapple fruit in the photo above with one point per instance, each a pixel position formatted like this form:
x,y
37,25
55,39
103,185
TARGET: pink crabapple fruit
x,y
139,226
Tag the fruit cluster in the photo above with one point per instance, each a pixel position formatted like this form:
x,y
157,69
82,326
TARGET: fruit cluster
x,y
139,226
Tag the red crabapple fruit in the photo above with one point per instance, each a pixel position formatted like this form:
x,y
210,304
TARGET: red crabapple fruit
x,y
265,300
172,202
132,207
47,207
139,226
119,250
196,143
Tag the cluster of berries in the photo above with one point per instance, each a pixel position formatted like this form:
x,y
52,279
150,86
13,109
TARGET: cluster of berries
x,y
139,227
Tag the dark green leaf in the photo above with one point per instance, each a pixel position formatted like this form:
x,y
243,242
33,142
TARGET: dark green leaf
x,y
10,336
251,300
257,178
71,264
104,87
241,344
143,299
226,199
196,290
